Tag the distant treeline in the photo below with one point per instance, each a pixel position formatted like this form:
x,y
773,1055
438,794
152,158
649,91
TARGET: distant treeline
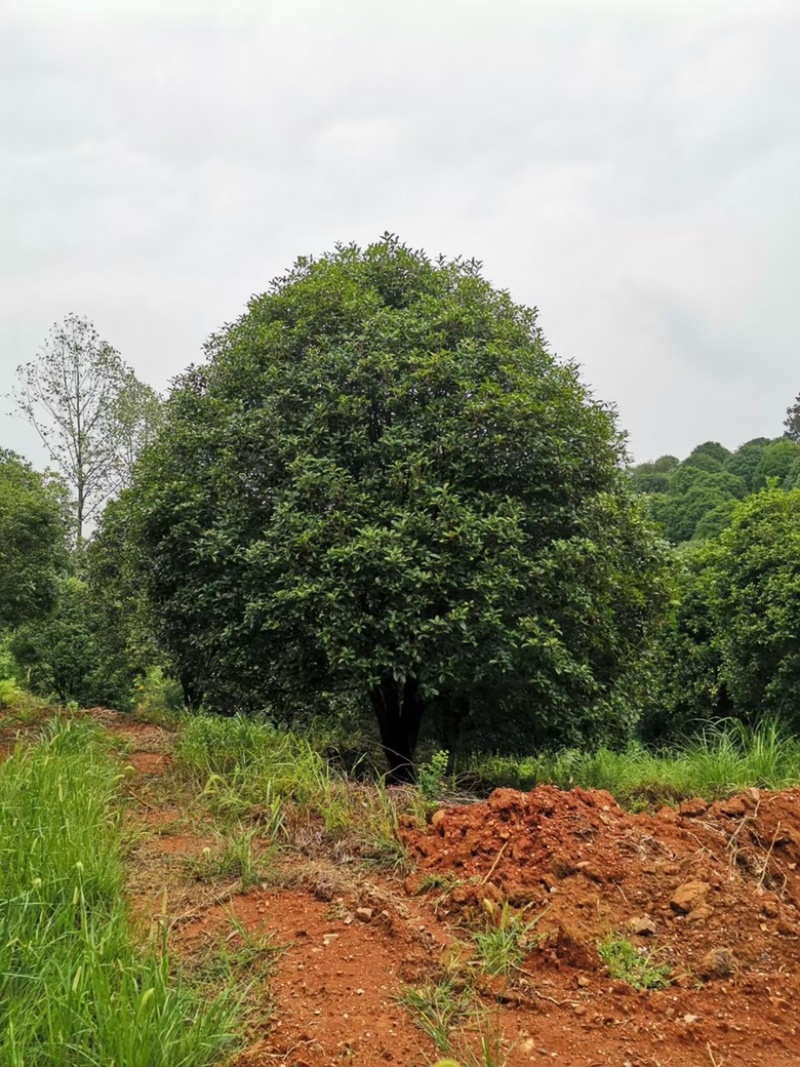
x,y
694,499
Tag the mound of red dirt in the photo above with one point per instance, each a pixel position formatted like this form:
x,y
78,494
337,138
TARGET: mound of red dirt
x,y
715,887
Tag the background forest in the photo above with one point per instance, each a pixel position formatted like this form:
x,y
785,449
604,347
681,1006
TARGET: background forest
x,y
381,507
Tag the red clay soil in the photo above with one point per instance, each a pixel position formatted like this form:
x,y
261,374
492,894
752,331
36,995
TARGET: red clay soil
x,y
713,892
336,981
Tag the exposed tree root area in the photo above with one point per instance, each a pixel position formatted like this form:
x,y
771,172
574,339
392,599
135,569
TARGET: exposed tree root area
x,y
712,892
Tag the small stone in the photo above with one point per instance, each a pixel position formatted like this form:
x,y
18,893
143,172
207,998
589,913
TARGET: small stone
x,y
329,938
718,963
700,914
579,1009
364,915
437,819
689,1019
689,896
643,926
583,981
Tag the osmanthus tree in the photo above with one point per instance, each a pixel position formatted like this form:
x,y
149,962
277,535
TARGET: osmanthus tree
x,y
382,481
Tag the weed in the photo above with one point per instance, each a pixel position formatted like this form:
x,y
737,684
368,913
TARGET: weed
x,y
159,699
432,776
10,693
490,1051
437,1007
507,939
236,857
627,963
375,818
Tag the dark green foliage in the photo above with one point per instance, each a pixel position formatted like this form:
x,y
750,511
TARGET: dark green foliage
x,y
756,601
69,654
792,479
33,530
704,461
646,480
665,464
685,691
695,499
777,460
383,483
121,615
56,655
716,520
710,450
732,646
745,460
694,495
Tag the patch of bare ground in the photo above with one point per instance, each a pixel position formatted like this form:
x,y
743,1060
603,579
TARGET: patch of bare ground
x,y
712,891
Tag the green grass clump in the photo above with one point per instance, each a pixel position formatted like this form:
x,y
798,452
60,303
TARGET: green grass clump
x,y
627,963
437,1008
507,939
250,768
75,988
721,761
235,856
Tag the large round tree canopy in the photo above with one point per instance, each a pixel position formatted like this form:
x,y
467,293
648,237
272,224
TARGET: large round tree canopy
x,y
381,481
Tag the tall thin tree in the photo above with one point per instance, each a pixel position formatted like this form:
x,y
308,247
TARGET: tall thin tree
x,y
89,410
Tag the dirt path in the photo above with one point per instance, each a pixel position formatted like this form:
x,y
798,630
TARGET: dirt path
x,y
333,994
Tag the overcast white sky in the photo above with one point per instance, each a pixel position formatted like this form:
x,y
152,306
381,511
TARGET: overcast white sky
x,y
632,169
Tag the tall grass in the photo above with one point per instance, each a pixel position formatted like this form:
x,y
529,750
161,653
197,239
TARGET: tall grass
x,y
249,769
75,989
723,759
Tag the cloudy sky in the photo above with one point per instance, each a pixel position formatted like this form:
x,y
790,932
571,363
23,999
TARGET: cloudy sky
x,y
632,169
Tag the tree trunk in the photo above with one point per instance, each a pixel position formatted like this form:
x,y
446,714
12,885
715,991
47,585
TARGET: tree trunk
x,y
192,692
454,709
398,708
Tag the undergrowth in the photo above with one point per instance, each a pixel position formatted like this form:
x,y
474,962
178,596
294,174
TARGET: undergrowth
x,y
721,761
249,769
75,987
448,1012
